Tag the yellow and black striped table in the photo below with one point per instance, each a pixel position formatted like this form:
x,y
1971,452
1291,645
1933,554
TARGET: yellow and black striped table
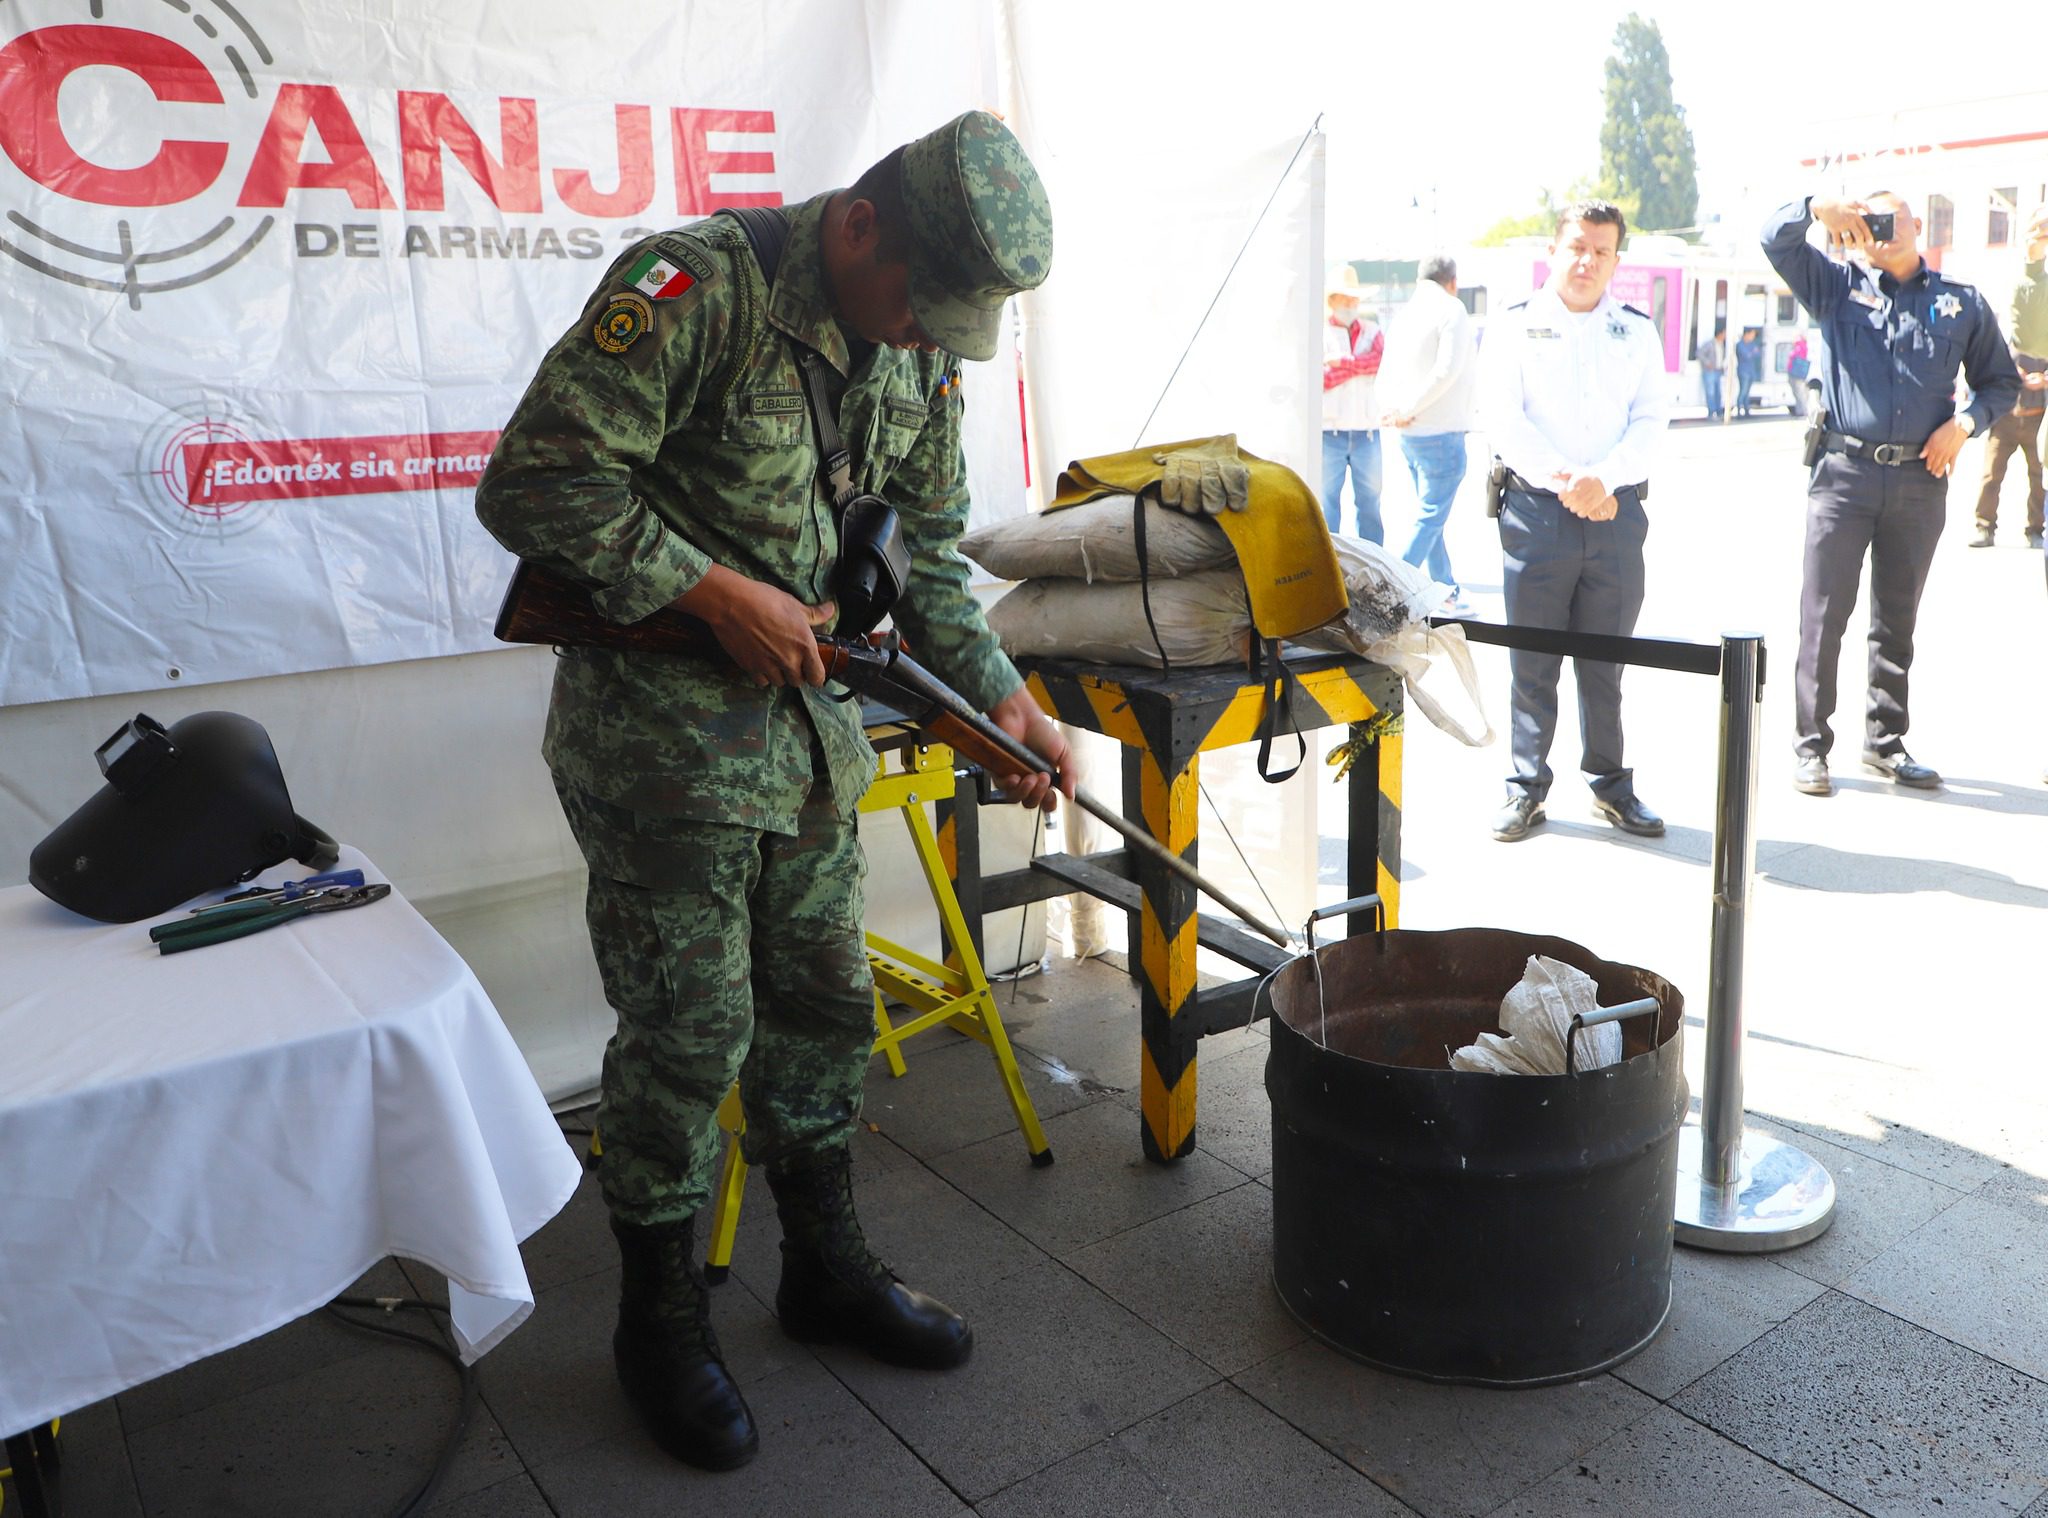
x,y
1166,720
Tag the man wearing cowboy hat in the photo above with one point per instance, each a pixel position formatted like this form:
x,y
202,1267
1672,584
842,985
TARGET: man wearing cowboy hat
x,y
1351,422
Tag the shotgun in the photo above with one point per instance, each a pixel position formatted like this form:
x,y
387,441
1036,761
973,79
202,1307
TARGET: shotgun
x,y
544,607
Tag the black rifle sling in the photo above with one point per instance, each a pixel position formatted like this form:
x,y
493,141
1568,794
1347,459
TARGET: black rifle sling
x,y
767,232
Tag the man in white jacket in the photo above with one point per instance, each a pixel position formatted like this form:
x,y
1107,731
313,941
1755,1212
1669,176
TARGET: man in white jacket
x,y
1426,382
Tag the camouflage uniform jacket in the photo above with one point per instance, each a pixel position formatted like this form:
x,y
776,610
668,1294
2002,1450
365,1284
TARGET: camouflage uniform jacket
x,y
662,435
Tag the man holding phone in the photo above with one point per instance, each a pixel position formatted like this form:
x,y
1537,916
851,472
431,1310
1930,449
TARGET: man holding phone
x,y
1897,334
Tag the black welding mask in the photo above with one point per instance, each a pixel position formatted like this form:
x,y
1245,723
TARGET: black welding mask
x,y
197,806
873,566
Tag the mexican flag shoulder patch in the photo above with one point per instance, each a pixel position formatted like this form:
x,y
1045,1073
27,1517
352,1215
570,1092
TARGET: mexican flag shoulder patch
x,y
659,278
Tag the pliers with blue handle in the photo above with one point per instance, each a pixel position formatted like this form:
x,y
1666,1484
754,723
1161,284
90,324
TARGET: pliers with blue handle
x,y
245,917
291,890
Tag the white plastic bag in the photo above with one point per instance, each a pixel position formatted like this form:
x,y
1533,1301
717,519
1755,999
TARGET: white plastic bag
x,y
1536,1016
1388,622
1098,542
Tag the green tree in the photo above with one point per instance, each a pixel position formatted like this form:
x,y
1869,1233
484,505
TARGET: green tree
x,y
1646,157
1542,222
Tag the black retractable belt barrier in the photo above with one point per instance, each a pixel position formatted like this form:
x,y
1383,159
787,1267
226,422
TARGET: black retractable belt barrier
x,y
1718,1205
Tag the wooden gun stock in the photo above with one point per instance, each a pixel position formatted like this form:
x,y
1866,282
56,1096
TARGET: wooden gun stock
x,y
541,606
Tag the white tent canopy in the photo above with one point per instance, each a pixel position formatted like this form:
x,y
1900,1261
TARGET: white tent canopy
x,y
273,283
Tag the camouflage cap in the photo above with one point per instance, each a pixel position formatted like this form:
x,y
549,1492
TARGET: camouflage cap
x,y
980,230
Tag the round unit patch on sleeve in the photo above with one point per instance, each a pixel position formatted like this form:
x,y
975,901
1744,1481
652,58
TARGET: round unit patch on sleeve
x,y
625,317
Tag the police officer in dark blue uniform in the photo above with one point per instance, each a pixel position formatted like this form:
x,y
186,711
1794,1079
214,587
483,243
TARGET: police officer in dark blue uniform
x,y
1897,333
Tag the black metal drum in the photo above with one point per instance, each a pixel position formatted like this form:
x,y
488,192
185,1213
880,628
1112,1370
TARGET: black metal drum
x,y
1496,1230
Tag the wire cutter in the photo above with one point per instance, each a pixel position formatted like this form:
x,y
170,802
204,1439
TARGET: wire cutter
x,y
246,917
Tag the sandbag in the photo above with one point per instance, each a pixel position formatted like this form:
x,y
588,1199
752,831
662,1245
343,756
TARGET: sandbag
x,y
1097,542
1202,618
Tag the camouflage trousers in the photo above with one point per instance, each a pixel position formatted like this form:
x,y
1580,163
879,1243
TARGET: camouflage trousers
x,y
728,954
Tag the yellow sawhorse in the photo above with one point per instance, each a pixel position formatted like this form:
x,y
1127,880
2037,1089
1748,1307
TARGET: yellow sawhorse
x,y
955,994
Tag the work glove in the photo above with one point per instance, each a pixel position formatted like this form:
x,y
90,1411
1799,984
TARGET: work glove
x,y
1205,480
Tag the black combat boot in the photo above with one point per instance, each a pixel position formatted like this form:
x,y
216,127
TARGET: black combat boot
x,y
833,1287
667,1355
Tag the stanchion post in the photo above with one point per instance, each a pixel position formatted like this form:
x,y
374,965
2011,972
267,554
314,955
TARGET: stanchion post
x,y
1739,1192
1734,871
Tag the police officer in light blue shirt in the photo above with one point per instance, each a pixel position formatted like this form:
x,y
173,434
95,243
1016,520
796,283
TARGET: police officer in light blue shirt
x,y
1897,334
1574,396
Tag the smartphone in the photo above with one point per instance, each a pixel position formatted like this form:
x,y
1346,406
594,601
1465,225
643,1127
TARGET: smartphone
x,y
1884,225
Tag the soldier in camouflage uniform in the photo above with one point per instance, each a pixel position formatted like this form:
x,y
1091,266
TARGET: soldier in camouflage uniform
x,y
664,455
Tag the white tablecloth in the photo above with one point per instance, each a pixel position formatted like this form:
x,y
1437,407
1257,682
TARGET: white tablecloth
x,y
198,1148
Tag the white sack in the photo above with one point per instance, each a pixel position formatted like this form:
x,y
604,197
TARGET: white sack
x,y
1098,542
1202,619
1536,1015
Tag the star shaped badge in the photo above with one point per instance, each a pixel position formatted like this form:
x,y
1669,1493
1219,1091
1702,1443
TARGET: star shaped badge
x,y
1948,304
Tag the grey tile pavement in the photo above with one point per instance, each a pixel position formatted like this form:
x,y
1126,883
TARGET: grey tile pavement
x,y
1203,1277
822,1451
1667,1466
345,1439
1219,1454
1889,1417
1972,1274
1443,1450
516,1498
1719,1305
1100,1185
1058,1366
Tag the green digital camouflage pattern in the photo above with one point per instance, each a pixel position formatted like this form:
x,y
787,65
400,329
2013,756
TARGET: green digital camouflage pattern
x,y
981,230
661,435
729,954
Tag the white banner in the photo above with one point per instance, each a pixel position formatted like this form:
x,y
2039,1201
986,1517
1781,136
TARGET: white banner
x,y
274,273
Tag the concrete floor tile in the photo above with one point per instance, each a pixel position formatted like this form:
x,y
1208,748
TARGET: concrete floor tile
x,y
1080,1021
1886,1416
517,1498
1217,1455
1203,1276
314,1340
552,1386
1876,1205
1719,1303
821,1452
2018,1185
952,1095
1443,1450
1976,1274
1057,1367
345,1439
1101,1185
1667,1466
94,1476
